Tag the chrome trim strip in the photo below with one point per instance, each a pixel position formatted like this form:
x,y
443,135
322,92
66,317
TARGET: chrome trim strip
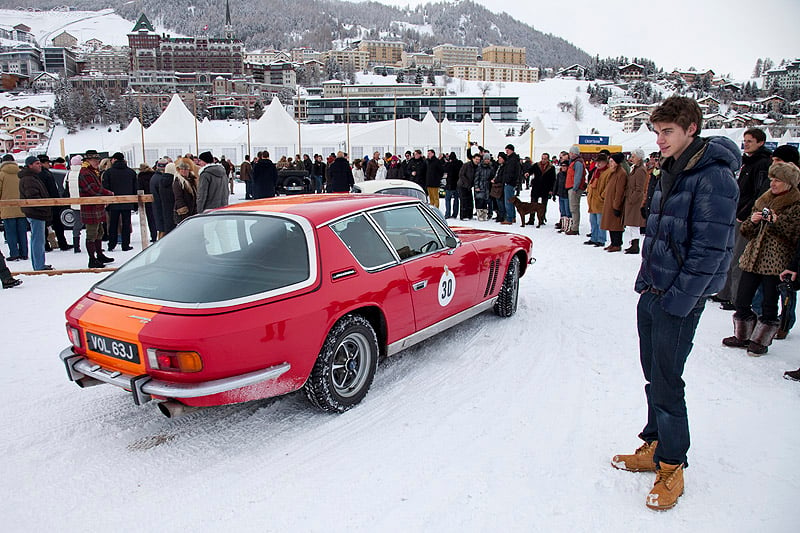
x,y
433,329
80,365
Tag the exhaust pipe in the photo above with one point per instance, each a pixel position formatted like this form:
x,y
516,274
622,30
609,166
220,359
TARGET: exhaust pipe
x,y
86,381
173,409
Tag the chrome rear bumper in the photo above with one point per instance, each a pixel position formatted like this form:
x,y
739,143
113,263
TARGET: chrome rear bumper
x,y
143,387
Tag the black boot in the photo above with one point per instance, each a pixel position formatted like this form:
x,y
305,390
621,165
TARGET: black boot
x,y
103,258
91,248
633,248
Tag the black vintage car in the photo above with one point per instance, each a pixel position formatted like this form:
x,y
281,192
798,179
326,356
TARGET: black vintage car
x,y
293,182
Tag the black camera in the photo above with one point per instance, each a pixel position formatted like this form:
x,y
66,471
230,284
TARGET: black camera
x,y
766,213
787,285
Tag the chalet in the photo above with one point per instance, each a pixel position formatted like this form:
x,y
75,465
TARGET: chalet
x,y
770,103
11,121
27,138
691,76
741,106
711,102
743,121
730,86
45,81
633,121
573,71
65,40
6,142
618,112
714,121
631,71
94,44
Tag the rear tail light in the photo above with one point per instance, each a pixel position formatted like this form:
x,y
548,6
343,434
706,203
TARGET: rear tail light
x,y
174,361
74,335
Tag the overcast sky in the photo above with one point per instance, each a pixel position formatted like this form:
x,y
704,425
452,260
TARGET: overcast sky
x,y
724,35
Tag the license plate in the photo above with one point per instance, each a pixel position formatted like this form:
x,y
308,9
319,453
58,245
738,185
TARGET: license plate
x,y
117,349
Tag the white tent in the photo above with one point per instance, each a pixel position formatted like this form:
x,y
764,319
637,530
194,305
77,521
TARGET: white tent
x,y
642,138
487,135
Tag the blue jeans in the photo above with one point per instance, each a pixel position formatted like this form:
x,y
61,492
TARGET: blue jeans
x,y
510,192
563,206
37,242
665,342
16,231
598,235
451,197
318,184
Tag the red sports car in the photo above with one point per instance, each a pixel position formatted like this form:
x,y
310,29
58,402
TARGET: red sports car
x,y
263,298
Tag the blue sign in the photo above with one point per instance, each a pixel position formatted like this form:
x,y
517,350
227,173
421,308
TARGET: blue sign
x,y
771,145
593,139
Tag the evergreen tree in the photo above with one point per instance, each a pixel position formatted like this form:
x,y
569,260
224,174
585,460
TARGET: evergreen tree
x,y
431,77
400,77
418,77
258,109
758,68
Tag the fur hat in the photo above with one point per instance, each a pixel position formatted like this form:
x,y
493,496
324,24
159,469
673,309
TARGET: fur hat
x,y
787,153
170,169
785,172
31,159
207,157
575,149
144,167
75,161
618,158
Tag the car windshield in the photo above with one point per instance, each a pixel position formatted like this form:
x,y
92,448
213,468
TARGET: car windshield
x,y
218,258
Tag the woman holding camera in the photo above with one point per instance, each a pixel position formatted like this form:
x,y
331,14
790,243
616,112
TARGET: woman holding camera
x,y
773,230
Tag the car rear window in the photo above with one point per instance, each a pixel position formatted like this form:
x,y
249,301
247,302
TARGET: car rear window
x,y
212,259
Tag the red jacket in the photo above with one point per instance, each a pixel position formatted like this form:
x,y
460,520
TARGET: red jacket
x,y
89,184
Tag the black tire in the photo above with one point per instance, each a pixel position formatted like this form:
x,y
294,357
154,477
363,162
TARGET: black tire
x,y
67,217
345,366
506,304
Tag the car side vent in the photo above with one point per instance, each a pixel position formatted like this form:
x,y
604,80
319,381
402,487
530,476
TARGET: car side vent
x,y
494,267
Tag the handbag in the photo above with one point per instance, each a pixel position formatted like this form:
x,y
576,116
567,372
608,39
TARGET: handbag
x,y
496,190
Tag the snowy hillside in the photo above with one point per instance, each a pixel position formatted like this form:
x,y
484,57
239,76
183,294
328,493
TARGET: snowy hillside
x,y
497,425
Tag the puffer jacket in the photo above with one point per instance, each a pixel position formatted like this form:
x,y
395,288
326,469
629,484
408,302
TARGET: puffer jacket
x,y
212,187
9,189
483,180
771,245
690,230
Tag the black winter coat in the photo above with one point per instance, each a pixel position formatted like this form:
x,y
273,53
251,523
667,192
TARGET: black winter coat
x,y
420,167
753,181
542,182
121,180
265,178
511,172
167,201
434,172
452,168
340,175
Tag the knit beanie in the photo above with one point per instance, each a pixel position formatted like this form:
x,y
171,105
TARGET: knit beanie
x,y
170,169
75,161
207,157
575,149
31,159
618,158
785,172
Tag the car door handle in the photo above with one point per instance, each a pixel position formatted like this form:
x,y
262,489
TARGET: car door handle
x,y
420,285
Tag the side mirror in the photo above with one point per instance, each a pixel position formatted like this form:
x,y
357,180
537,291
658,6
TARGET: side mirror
x,y
451,242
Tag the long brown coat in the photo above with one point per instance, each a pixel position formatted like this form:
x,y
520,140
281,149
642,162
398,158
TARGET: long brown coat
x,y
615,200
596,193
772,245
635,192
9,189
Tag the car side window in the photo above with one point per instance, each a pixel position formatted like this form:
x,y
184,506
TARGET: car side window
x,y
363,241
408,230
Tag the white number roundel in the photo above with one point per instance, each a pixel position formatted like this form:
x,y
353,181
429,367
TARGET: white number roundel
x,y
447,287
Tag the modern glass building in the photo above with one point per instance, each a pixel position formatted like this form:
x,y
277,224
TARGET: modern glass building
x,y
374,109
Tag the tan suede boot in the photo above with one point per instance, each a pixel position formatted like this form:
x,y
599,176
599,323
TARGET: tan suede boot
x,y
667,489
640,461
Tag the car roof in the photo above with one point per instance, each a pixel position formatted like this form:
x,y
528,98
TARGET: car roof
x,y
319,209
371,186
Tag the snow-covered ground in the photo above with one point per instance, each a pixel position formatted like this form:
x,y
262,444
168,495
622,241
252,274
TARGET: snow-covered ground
x,y
494,425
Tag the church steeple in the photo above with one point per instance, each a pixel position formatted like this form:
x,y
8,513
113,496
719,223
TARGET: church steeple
x,y
228,25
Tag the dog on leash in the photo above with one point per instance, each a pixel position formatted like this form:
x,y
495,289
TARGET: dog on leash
x,y
529,208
